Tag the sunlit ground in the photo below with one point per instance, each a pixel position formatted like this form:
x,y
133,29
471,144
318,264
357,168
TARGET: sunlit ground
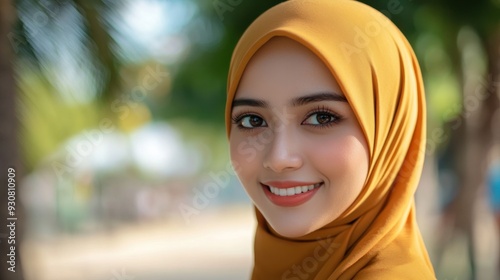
x,y
216,245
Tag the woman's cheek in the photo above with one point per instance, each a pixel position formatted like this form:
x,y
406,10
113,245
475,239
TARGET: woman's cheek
x,y
339,157
245,157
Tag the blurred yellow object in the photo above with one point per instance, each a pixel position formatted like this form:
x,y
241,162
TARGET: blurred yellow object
x,y
84,187
137,114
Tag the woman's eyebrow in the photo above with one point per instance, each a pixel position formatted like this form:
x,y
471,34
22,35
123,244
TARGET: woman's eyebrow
x,y
299,101
317,97
249,102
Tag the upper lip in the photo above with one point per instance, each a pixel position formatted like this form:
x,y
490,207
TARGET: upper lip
x,y
288,184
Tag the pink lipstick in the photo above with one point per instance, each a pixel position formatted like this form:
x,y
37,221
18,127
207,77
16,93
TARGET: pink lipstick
x,y
290,193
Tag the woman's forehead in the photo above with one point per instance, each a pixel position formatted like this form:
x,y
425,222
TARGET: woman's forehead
x,y
283,65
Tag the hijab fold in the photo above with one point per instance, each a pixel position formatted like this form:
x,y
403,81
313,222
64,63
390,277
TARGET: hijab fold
x,y
377,237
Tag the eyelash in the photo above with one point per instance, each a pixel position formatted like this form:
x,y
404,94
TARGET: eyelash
x,y
319,110
323,110
237,119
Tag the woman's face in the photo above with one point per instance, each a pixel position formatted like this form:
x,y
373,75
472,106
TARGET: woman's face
x,y
295,142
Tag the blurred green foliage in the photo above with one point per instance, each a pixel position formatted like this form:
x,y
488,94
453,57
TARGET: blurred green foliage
x,y
198,81
199,89
47,120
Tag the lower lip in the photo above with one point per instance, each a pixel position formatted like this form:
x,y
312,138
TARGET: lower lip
x,y
290,201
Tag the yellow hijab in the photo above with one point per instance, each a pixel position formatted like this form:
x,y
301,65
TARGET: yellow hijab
x,y
377,237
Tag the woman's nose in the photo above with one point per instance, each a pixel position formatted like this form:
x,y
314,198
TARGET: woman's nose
x,y
282,152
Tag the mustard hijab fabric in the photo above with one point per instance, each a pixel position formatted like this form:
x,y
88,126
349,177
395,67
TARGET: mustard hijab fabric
x,y
377,237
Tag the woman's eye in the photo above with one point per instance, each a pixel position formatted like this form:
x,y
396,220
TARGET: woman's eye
x,y
320,119
252,121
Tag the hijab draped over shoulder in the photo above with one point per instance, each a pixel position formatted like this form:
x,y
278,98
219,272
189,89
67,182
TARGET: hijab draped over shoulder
x,y
377,237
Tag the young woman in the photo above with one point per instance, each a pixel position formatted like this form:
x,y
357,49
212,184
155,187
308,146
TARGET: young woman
x,y
325,117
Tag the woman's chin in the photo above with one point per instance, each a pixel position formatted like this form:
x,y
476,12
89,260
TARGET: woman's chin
x,y
291,230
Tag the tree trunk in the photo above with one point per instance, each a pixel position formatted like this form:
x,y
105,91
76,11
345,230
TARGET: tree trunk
x,y
8,150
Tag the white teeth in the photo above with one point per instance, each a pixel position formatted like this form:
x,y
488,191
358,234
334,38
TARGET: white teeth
x,y
292,191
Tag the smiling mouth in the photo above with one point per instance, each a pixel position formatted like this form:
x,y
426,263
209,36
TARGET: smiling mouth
x,y
293,190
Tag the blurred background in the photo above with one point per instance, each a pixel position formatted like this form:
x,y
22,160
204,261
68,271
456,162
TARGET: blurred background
x,y
112,114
